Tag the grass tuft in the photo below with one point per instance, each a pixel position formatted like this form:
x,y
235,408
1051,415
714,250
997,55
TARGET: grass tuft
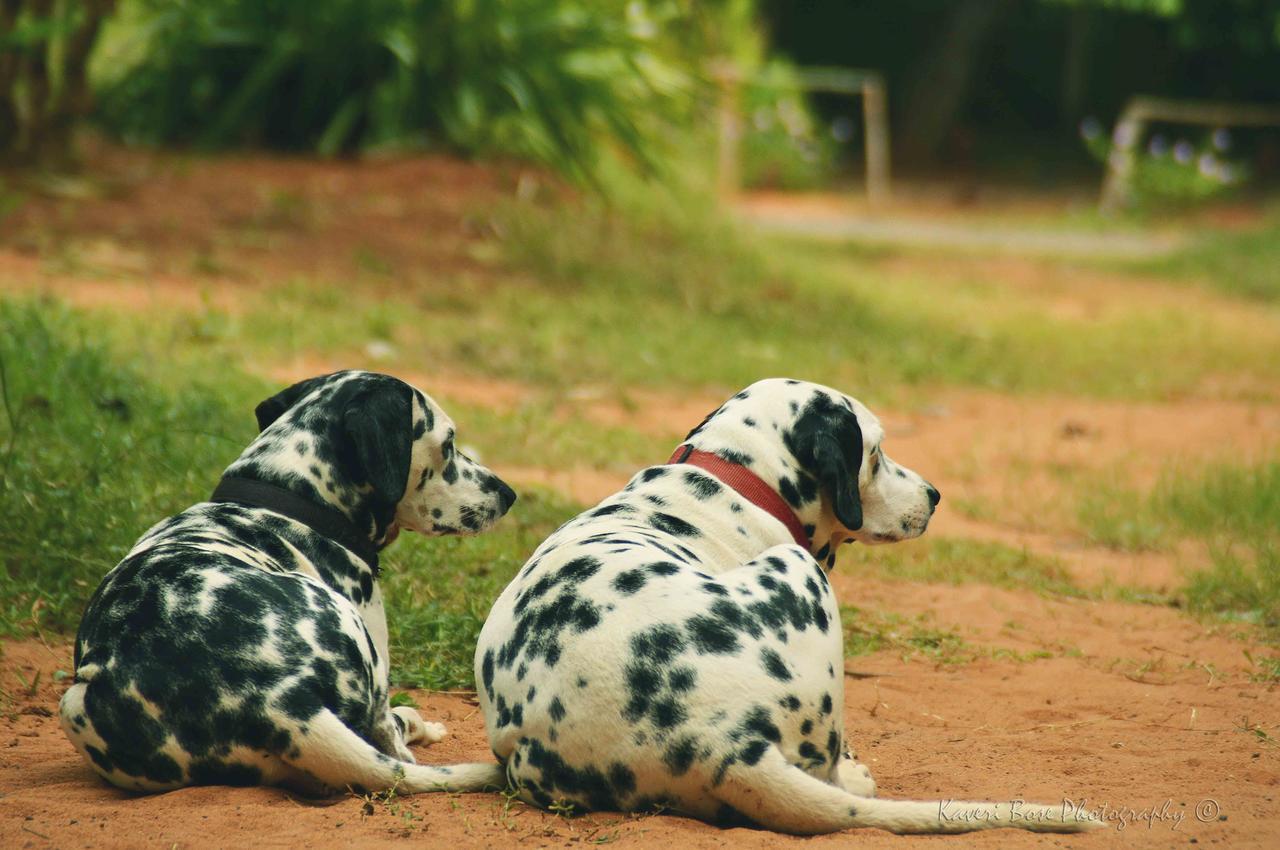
x,y
954,561
1243,263
1231,509
868,631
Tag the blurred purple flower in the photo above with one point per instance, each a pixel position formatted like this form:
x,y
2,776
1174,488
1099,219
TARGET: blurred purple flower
x,y
1207,164
1159,145
1125,135
1221,138
1090,128
1183,151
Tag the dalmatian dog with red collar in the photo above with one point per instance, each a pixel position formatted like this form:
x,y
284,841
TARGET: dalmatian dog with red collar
x,y
679,645
243,641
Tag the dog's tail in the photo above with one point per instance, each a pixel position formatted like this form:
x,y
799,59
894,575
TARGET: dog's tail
x,y
780,796
338,757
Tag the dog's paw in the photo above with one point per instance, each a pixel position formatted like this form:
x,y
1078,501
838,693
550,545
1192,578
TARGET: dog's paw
x,y
417,730
432,732
856,778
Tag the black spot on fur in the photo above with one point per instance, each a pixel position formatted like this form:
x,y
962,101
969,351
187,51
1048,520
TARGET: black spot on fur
x,y
673,525
712,635
833,745
679,756
752,752
740,458
702,486
628,581
662,568
774,665
659,644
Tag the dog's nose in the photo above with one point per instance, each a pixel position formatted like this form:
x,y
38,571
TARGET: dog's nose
x,y
506,496
934,496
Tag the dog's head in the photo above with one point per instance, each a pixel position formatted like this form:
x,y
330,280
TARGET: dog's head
x,y
824,452
376,447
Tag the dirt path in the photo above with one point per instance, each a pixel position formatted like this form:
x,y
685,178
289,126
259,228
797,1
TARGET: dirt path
x,y
827,217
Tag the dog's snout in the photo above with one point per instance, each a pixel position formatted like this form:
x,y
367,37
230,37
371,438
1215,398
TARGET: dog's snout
x,y
934,496
506,496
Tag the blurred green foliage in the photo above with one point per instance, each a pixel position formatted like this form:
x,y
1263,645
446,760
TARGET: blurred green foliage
x,y
784,145
547,80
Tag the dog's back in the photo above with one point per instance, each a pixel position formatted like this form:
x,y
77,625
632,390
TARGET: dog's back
x,y
207,623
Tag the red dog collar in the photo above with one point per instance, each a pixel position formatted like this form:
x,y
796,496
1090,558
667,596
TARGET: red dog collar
x,y
748,485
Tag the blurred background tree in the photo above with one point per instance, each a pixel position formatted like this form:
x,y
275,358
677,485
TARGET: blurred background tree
x,y
971,82
44,87
1005,76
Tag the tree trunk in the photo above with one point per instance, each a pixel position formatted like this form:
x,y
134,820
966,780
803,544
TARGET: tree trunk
x,y
40,105
941,86
8,77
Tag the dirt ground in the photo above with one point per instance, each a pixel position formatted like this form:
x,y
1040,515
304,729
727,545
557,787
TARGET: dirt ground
x,y
1150,717
1154,723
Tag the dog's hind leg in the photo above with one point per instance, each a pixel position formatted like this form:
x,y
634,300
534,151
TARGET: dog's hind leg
x,y
416,730
337,757
782,797
402,726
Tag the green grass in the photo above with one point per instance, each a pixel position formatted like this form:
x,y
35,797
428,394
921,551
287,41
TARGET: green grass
x,y
947,560
1244,263
1227,502
93,455
438,590
1243,584
867,631
1118,517
1230,508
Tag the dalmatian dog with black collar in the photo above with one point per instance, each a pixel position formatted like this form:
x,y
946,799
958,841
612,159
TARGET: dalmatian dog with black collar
x,y
243,641
679,645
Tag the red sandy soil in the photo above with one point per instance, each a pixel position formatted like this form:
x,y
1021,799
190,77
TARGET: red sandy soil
x,y
1139,709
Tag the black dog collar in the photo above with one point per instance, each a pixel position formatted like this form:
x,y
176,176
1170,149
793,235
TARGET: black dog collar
x,y
325,521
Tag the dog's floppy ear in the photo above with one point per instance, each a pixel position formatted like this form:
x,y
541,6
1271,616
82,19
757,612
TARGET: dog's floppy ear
x,y
827,441
271,409
380,425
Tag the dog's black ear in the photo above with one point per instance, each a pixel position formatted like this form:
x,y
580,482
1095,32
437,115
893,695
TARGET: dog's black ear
x,y
827,441
380,424
271,409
